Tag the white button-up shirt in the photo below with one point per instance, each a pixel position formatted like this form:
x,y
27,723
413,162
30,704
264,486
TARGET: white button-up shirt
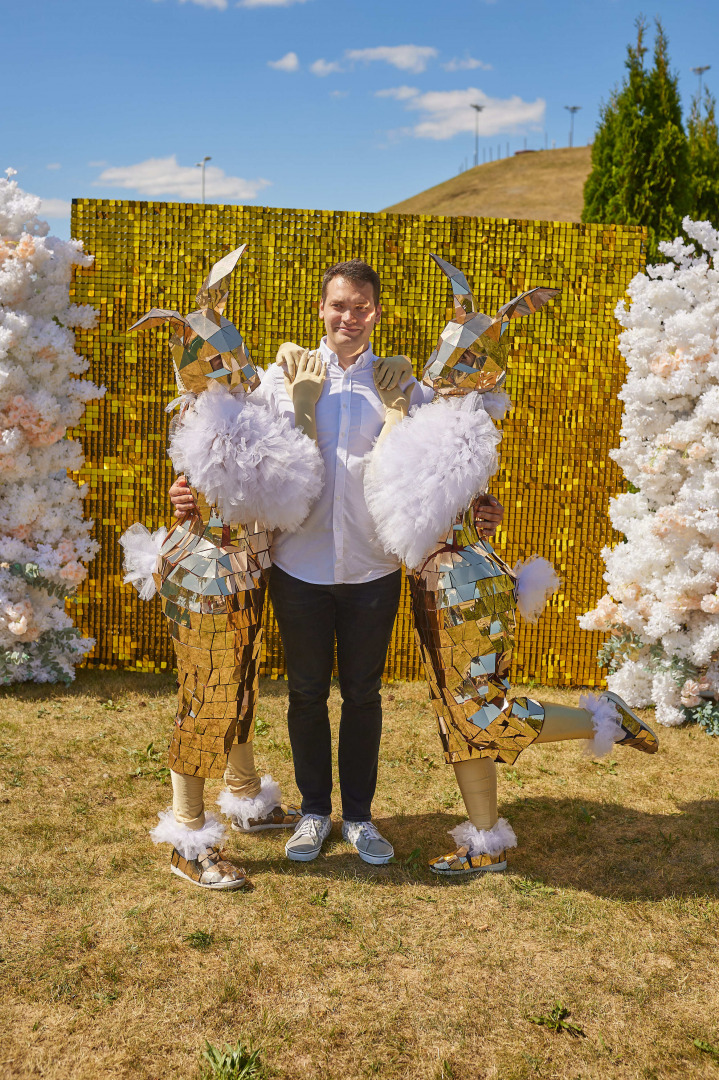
x,y
336,544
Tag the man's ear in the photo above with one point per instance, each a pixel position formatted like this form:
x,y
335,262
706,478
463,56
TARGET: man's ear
x,y
378,314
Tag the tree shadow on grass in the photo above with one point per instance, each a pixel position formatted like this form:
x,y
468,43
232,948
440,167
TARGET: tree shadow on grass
x,y
616,851
609,850
102,685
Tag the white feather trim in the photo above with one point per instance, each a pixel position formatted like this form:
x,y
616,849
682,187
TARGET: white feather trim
x,y
189,842
247,460
607,726
141,552
536,581
497,404
246,810
427,471
484,841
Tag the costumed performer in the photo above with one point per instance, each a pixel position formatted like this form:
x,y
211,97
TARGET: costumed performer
x,y
253,472
423,474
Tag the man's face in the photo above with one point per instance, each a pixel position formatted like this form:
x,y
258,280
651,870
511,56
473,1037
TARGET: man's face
x,y
350,313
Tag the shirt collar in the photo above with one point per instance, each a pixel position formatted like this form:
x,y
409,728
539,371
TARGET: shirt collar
x,y
364,360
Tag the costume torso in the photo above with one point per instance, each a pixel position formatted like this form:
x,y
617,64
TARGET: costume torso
x,y
211,581
464,605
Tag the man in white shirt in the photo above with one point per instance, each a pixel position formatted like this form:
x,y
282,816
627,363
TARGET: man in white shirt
x,y
331,579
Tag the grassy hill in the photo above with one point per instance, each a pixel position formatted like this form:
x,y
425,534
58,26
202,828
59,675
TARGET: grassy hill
x,y
544,186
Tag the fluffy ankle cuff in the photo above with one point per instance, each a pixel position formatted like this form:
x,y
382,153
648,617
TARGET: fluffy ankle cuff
x,y
246,810
189,842
607,727
484,841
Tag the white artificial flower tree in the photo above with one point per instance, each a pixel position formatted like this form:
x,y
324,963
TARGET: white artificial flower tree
x,y
662,600
44,540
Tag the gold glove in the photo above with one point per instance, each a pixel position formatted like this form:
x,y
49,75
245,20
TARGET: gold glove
x,y
305,389
392,371
396,407
288,357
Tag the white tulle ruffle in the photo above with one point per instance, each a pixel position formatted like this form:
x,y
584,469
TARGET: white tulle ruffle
x,y
247,460
427,471
141,552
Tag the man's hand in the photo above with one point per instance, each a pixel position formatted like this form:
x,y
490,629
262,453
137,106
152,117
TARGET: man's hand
x,y
488,514
391,372
182,499
288,357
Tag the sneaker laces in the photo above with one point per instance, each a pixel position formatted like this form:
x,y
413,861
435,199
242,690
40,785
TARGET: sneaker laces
x,y
368,828
309,826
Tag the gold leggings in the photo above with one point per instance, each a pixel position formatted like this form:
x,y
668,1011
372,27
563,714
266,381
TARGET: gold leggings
x,y
477,778
188,791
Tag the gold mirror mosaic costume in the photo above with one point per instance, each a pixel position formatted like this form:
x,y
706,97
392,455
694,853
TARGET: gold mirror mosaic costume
x,y
464,598
211,576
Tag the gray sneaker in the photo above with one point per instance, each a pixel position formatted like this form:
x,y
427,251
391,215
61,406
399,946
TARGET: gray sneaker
x,y
371,845
306,841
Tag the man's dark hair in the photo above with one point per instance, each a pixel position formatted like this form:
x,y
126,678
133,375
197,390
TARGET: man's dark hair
x,y
356,271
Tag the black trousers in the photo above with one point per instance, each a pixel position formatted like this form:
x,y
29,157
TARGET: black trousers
x,y
361,618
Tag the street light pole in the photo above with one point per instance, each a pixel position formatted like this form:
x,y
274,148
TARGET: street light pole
x,y
201,165
700,71
572,109
477,111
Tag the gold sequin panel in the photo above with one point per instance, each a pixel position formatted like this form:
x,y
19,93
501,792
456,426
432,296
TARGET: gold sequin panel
x,y
463,601
563,374
212,590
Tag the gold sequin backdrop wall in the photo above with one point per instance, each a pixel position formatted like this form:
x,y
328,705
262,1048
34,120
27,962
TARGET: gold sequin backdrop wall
x,y
564,374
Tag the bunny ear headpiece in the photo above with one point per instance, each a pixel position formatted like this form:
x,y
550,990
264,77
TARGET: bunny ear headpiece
x,y
206,347
470,354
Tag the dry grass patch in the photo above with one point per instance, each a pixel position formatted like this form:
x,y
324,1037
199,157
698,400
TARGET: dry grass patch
x,y
545,186
114,968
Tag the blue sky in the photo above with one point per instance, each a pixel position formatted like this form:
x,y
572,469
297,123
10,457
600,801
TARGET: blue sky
x,y
335,104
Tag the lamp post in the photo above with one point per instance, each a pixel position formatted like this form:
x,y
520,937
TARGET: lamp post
x,y
700,71
477,111
572,109
201,165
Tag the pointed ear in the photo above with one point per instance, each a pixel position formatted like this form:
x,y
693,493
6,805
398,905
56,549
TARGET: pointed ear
x,y
214,288
527,303
156,317
464,302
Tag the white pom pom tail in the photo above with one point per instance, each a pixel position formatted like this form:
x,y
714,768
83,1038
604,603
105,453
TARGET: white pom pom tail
x,y
189,842
247,460
607,727
484,841
247,810
427,471
536,581
142,550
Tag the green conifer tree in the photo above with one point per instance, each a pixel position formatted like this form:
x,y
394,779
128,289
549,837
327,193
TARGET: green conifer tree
x,y
640,171
703,138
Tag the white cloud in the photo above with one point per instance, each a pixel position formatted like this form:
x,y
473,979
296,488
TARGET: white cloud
x,y
163,176
55,208
268,3
54,165
405,57
289,62
447,113
219,5
324,67
399,93
467,64
339,93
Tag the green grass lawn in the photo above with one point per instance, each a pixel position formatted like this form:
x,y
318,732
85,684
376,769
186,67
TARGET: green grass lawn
x,y
113,967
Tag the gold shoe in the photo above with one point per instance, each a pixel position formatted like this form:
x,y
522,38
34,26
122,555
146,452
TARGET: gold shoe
x,y
461,862
209,870
280,817
638,734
